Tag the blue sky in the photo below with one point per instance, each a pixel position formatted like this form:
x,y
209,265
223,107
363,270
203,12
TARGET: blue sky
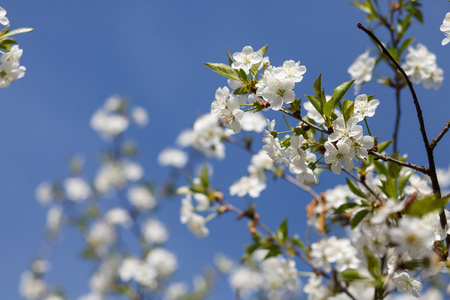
x,y
81,52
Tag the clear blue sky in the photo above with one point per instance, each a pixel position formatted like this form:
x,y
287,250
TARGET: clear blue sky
x,y
83,51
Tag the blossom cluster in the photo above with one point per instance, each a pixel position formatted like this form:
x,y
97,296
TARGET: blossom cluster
x,y
445,28
421,66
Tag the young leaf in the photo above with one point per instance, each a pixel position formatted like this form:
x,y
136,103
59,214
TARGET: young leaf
x,y
358,218
355,189
380,167
361,6
352,275
17,31
384,145
316,103
338,93
230,58
429,204
244,77
204,176
224,70
403,181
318,86
346,206
405,45
390,188
255,67
282,232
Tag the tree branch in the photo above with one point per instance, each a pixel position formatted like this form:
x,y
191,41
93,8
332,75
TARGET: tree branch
x,y
304,121
440,135
432,166
422,169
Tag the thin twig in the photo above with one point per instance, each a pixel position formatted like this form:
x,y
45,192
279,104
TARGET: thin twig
x,y
304,121
432,166
422,169
363,183
286,177
440,135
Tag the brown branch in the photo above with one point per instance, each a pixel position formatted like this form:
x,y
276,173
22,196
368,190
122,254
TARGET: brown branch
x,y
432,166
422,169
440,135
304,121
363,183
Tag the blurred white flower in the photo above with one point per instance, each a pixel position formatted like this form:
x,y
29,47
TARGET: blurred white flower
x,y
44,193
163,261
361,70
173,157
31,287
118,216
3,19
141,197
139,116
154,232
77,189
108,124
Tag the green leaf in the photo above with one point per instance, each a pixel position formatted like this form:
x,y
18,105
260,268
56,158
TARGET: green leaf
x,y
403,181
405,45
373,264
282,232
393,52
346,206
224,70
241,91
296,241
204,176
390,188
230,58
255,67
243,76
358,218
380,167
338,93
424,206
361,6
316,103
318,86
384,145
355,189
17,31
352,275
417,14
4,31
287,123
348,108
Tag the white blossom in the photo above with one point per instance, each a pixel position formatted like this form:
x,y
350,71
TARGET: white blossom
x,y
3,19
407,285
445,28
246,59
292,70
361,69
334,156
77,189
44,193
118,216
163,261
31,287
154,232
139,116
173,157
364,107
141,197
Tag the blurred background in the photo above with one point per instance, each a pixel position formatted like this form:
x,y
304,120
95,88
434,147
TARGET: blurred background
x,y
81,52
